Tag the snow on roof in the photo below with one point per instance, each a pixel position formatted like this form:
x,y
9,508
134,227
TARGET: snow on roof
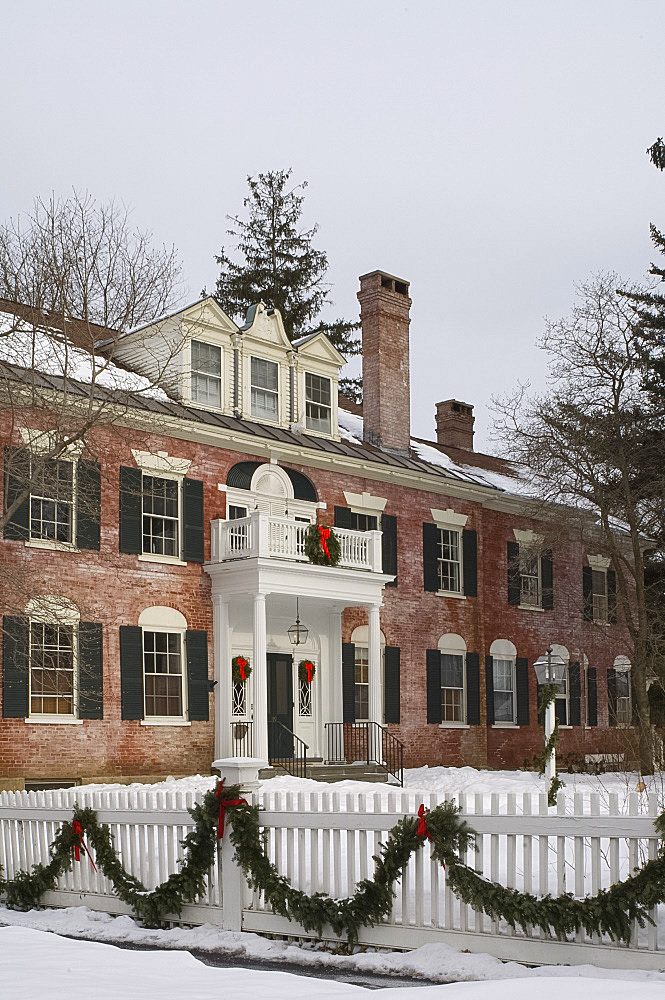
x,y
48,352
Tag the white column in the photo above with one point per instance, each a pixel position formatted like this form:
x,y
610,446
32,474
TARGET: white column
x,y
550,763
260,675
222,656
374,666
332,709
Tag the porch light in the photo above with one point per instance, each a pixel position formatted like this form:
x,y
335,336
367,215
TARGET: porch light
x,y
550,668
297,633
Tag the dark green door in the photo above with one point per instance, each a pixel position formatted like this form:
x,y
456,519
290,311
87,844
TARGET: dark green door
x,y
280,705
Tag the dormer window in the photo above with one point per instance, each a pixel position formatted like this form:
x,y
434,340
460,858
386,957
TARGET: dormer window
x,y
206,374
318,398
264,389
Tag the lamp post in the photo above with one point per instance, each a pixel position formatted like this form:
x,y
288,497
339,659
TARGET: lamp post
x,y
550,669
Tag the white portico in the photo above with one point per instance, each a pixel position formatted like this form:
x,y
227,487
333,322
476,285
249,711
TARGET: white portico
x,y
258,568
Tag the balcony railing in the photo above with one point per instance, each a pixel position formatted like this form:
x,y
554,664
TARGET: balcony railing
x,y
261,534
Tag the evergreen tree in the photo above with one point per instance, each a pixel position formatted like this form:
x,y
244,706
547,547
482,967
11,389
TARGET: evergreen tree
x,y
274,261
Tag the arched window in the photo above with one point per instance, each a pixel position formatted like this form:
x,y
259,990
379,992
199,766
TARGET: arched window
x,y
163,668
53,656
504,654
452,648
620,693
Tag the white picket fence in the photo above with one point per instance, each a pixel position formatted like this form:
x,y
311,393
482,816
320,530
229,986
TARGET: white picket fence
x,y
324,841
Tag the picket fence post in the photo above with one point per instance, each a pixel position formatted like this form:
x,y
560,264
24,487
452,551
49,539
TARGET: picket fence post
x,y
243,771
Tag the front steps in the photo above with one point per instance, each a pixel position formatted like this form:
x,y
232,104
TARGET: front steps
x,y
319,771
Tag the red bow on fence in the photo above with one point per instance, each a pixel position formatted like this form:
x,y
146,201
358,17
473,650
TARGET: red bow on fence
x,y
422,830
242,663
223,805
324,535
79,843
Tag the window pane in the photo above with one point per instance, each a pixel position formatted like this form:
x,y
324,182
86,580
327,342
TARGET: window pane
x,y
317,402
206,389
51,669
449,564
162,665
264,374
160,515
206,358
52,501
452,670
264,388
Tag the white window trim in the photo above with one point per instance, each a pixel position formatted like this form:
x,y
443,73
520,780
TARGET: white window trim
x,y
161,465
457,594
365,503
169,620
39,443
503,724
316,430
250,385
449,519
599,562
190,371
54,611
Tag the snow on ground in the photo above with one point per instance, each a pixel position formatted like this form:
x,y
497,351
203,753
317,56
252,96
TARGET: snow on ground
x,y
25,951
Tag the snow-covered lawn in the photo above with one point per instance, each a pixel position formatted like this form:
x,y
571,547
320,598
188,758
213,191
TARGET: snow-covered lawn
x,y
37,964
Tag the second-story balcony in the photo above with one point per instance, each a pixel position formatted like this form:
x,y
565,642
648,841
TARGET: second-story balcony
x,y
266,536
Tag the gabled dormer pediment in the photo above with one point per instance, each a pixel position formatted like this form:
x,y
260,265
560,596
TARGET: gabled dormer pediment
x,y
319,348
207,314
265,325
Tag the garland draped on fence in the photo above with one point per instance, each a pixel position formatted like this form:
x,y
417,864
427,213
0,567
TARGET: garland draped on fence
x,y
611,911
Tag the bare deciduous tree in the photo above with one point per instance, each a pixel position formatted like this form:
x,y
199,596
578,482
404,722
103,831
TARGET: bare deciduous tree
x,y
593,445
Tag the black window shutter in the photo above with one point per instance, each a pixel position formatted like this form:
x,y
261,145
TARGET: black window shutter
x,y
430,557
130,534
17,478
433,686
91,705
514,573
612,696
14,667
470,562
348,682
489,689
88,504
389,545
342,517
391,684
196,644
587,593
541,710
473,689
522,690
592,697
574,693
547,579
192,517
131,671
611,597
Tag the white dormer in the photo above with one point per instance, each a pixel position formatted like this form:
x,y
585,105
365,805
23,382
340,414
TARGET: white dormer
x,y
200,356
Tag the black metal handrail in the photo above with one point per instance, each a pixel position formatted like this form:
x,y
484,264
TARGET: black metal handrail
x,y
370,742
287,750
242,739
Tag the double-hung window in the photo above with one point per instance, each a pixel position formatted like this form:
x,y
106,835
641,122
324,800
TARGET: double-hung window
x,y
318,403
163,674
264,389
161,515
599,595
361,683
52,501
561,701
530,581
504,689
624,709
452,687
206,373
449,557
52,668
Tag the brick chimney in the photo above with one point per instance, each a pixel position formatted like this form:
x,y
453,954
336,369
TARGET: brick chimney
x,y
384,316
454,424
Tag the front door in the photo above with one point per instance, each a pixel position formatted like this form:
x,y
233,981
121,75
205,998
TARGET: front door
x,y
280,706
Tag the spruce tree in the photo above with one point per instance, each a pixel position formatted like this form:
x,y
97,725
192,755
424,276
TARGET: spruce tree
x,y
274,260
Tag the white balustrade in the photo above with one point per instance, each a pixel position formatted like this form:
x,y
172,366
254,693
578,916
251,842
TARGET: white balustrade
x,y
261,534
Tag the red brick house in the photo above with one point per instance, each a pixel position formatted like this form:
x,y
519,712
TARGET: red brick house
x,y
189,553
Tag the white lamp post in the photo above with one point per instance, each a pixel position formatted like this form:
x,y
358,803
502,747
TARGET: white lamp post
x,y
550,669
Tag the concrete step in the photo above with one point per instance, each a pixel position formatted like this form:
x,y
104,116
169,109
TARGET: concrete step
x,y
333,772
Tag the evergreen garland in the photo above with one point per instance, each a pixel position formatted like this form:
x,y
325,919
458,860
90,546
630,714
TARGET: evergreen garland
x,y
612,911
302,670
314,547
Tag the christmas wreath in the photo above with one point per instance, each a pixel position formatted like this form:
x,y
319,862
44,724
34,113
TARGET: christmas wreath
x,y
611,911
240,669
322,545
306,671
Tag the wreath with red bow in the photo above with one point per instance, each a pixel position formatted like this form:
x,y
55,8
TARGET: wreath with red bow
x,y
241,669
322,545
306,671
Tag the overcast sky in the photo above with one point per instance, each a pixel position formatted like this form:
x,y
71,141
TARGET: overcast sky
x,y
491,153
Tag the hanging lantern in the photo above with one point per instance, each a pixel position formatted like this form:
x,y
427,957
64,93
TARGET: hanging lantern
x,y
297,632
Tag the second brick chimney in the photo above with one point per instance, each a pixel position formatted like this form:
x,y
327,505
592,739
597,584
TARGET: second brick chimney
x,y
384,315
454,424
